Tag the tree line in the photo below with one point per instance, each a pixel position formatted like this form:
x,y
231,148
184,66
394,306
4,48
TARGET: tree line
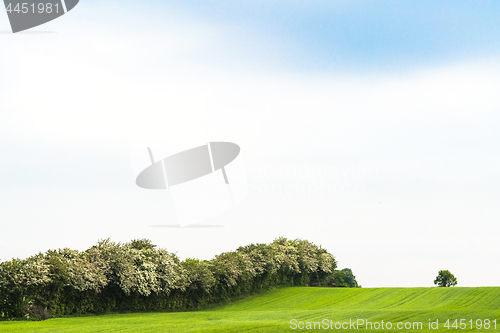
x,y
136,276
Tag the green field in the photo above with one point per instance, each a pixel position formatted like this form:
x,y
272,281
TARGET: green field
x,y
273,310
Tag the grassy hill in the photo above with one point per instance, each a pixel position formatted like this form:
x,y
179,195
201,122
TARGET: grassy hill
x,y
273,310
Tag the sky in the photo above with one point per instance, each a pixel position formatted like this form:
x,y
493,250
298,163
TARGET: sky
x,y
368,128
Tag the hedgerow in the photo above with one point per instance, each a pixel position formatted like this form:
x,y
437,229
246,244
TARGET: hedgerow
x,y
136,276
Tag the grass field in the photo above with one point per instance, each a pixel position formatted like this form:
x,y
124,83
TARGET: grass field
x,y
273,310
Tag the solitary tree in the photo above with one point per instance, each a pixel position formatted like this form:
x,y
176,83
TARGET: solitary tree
x,y
445,279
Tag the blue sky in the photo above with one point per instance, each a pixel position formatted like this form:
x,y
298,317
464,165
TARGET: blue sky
x,y
369,128
355,35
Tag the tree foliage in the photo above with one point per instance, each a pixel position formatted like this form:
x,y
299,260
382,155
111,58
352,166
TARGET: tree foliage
x,y
137,276
345,278
445,279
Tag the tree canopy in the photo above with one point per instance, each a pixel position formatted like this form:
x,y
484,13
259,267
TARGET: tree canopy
x,y
445,279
